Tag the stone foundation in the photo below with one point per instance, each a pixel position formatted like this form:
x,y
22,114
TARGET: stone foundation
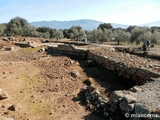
x,y
139,75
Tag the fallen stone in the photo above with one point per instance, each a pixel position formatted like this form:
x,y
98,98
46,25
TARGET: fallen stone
x,y
75,73
136,89
15,107
125,107
88,97
95,94
105,114
41,50
9,48
130,99
141,109
91,88
116,95
88,81
3,94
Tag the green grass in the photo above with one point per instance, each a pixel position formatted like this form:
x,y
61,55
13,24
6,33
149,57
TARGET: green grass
x,y
40,109
36,49
28,84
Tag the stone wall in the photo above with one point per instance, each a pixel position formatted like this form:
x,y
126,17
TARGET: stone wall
x,y
139,75
68,50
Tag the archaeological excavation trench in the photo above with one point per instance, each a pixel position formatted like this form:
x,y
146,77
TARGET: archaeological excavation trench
x,y
64,81
125,77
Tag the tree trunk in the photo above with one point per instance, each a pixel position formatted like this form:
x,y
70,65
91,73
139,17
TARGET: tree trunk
x,y
118,42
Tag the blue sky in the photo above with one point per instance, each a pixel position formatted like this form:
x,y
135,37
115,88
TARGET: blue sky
x,y
129,12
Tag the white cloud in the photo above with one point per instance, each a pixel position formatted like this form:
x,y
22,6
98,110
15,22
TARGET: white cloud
x,y
145,14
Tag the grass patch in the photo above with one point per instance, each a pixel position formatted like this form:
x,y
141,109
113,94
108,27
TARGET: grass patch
x,y
40,109
28,84
36,49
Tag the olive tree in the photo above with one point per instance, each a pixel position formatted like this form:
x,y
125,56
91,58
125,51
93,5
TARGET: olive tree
x,y
139,34
2,29
76,33
58,34
155,38
16,26
121,36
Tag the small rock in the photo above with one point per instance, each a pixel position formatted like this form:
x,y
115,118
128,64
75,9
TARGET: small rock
x,y
15,107
71,61
130,99
115,95
75,73
105,114
3,94
88,97
95,93
136,89
125,107
141,109
88,81
91,88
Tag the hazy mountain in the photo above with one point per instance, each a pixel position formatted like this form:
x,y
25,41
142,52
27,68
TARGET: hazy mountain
x,y
155,23
86,24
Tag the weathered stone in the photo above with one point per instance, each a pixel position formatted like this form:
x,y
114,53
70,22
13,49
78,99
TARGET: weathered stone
x,y
130,99
9,48
88,97
115,95
91,88
141,109
75,73
136,89
15,107
3,94
125,107
95,93
42,50
105,114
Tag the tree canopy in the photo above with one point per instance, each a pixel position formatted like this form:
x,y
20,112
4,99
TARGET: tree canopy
x,y
104,32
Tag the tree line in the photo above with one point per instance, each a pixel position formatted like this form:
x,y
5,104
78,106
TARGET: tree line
x,y
104,32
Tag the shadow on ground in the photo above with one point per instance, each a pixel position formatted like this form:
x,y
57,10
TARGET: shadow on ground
x,y
107,79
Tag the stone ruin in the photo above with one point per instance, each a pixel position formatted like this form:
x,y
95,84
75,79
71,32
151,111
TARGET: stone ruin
x,y
119,102
122,64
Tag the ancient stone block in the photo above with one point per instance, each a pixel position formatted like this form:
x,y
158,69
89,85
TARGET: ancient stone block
x,y
129,99
125,107
141,109
115,95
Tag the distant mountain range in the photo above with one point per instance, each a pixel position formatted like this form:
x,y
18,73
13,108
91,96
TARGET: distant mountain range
x,y
86,24
155,23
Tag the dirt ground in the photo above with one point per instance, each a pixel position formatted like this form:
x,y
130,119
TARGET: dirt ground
x,y
42,85
44,88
